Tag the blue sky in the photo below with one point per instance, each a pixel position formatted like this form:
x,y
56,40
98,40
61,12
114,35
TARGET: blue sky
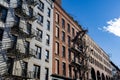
x,y
102,19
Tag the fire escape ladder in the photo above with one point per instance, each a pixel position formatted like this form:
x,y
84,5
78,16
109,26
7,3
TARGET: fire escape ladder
x,y
21,64
3,64
79,48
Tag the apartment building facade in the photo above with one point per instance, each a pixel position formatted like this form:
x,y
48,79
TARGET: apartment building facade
x,y
35,43
65,29
101,68
26,35
115,72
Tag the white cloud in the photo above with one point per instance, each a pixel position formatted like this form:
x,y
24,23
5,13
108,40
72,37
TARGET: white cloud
x,y
113,26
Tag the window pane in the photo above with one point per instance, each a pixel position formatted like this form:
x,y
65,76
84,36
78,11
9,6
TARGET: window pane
x,y
68,29
40,19
47,39
57,66
57,48
63,36
39,35
48,25
69,41
46,74
3,13
36,70
38,52
57,32
73,32
1,34
57,18
63,51
49,12
41,6
47,55
64,68
63,23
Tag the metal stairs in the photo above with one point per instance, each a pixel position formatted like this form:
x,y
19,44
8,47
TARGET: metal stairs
x,y
3,64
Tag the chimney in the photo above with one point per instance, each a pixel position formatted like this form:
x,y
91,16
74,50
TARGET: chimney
x,y
58,2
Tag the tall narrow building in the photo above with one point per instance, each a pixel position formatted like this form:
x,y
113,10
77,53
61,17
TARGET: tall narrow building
x,y
65,29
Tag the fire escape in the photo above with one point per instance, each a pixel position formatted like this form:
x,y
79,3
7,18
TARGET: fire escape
x,y
80,60
15,51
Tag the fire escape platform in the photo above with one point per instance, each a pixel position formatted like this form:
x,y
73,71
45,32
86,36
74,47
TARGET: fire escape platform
x,y
75,64
76,51
15,53
16,76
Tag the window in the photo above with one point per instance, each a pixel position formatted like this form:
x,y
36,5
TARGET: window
x,y
68,28
70,71
39,35
17,19
57,18
36,70
47,55
3,13
63,23
73,32
14,38
49,12
47,39
48,25
46,74
57,32
10,65
29,28
41,6
63,36
69,55
63,51
24,69
69,41
27,44
40,19
57,48
64,68
8,0
1,34
30,12
57,66
38,52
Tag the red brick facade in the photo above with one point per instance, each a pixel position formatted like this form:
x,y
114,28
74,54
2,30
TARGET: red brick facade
x,y
69,32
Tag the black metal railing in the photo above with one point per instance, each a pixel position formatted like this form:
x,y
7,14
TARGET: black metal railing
x,y
76,49
31,2
20,52
5,45
21,29
25,14
24,74
75,63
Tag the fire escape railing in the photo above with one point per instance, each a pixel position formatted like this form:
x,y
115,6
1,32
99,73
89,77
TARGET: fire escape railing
x,y
31,2
21,29
20,52
79,48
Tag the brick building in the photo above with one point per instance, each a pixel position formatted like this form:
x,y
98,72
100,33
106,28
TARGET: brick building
x,y
65,28
26,28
